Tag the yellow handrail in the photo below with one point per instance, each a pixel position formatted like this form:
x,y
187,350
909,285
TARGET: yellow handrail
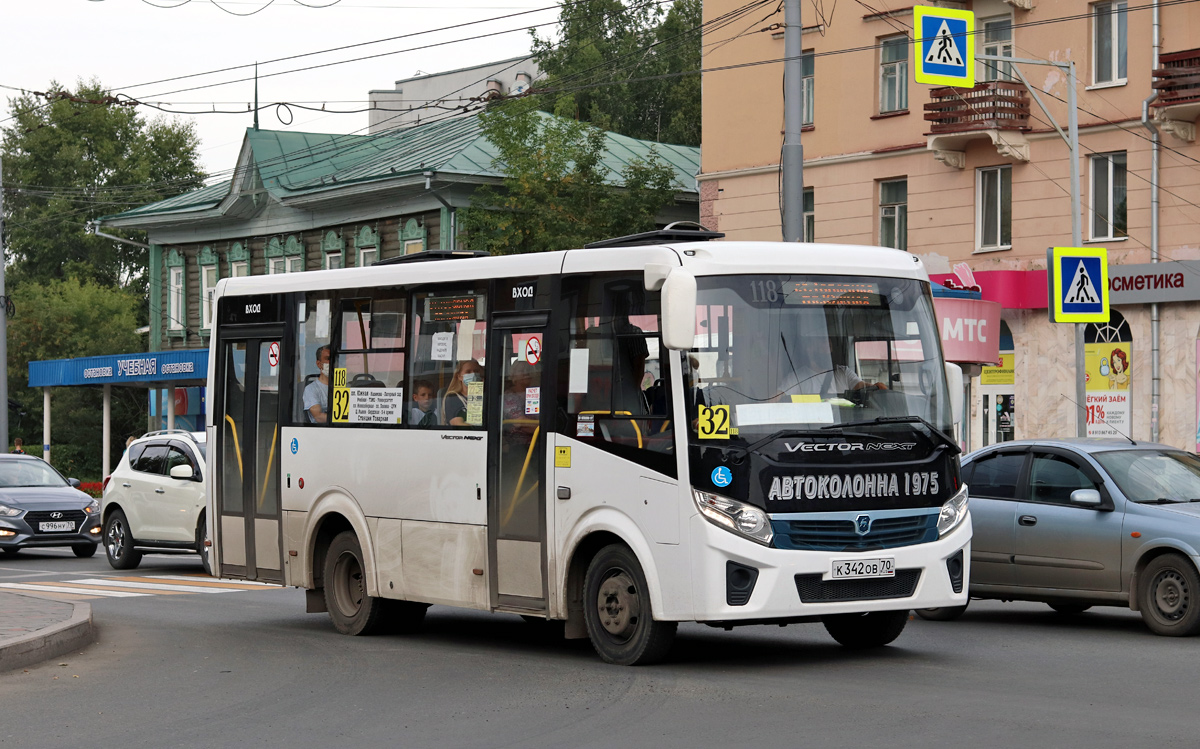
x,y
524,468
262,496
236,448
636,428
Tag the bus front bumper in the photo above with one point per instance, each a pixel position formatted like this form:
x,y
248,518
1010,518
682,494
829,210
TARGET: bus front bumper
x,y
735,579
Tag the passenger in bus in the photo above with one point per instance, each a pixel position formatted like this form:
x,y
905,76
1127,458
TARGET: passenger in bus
x,y
812,372
520,376
316,393
423,412
453,408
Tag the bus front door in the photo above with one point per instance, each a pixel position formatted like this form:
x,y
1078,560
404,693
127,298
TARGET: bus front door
x,y
248,527
517,445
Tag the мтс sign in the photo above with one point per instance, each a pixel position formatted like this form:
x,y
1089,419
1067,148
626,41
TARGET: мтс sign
x,y
945,46
1078,284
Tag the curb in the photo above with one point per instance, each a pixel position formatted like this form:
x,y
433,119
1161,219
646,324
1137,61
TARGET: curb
x,y
49,642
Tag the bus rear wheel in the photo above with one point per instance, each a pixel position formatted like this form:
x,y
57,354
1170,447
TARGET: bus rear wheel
x,y
862,631
352,611
616,602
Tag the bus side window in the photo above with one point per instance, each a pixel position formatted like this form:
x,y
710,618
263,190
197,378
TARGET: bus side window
x,y
448,358
616,389
371,349
312,333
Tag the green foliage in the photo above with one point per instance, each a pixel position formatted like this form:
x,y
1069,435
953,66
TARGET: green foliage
x,y
67,162
67,319
604,41
556,194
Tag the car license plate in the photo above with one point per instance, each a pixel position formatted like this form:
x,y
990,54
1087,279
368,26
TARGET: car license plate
x,y
853,568
63,525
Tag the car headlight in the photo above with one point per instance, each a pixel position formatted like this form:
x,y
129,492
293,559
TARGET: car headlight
x,y
732,515
953,512
9,512
93,507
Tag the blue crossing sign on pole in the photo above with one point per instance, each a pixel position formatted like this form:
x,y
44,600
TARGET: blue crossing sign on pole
x,y
1078,284
945,46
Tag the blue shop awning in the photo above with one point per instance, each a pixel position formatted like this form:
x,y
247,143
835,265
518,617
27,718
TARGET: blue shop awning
x,y
156,369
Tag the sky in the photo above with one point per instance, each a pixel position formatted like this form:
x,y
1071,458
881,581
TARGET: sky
x,y
129,44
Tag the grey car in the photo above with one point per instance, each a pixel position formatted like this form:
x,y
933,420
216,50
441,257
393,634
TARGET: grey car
x,y
39,508
1078,523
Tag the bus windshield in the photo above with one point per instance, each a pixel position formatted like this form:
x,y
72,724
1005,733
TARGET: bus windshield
x,y
806,352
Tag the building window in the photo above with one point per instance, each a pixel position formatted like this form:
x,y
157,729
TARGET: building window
x,y
997,41
175,309
366,242
209,273
239,260
1108,196
331,250
412,238
893,74
333,260
810,216
239,269
893,214
1109,42
993,196
367,256
807,67
276,265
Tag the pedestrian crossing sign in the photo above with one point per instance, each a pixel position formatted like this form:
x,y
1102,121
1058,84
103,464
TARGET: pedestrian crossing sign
x,y
1080,284
945,46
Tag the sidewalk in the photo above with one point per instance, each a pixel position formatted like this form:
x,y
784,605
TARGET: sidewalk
x,y
35,629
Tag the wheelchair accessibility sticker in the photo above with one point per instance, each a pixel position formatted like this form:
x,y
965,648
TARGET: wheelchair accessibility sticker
x,y
722,476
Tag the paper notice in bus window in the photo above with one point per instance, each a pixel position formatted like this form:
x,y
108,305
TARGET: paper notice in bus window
x,y
533,401
466,340
749,414
443,347
376,405
474,403
322,322
577,380
586,426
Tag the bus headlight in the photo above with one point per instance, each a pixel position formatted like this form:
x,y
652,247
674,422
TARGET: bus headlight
x,y
732,515
953,512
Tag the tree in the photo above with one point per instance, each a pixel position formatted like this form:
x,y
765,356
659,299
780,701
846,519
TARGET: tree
x,y
556,192
604,42
70,318
70,156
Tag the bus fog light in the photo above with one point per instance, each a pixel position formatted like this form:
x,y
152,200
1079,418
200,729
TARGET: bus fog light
x,y
953,512
732,515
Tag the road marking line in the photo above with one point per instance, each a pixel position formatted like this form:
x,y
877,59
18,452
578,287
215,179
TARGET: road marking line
x,y
210,583
242,584
64,589
164,587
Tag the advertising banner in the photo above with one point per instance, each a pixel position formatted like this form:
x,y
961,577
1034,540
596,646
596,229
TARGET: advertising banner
x,y
1108,404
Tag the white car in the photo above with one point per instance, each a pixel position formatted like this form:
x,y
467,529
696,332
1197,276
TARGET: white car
x,y
154,499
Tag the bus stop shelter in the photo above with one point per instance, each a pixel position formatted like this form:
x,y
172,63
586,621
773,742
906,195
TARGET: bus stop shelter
x,y
165,372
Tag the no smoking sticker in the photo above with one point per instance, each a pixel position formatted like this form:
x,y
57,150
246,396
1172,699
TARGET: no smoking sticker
x,y
533,349
273,355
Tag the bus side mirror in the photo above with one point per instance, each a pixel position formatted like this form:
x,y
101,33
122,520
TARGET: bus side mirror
x,y
954,384
679,310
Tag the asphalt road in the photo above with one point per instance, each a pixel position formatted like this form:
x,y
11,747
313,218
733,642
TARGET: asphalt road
x,y
250,668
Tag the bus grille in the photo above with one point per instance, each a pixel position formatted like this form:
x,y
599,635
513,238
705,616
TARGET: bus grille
x,y
813,589
839,535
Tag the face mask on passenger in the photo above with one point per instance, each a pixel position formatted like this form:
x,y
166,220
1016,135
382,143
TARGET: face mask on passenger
x,y
469,377
325,369
425,404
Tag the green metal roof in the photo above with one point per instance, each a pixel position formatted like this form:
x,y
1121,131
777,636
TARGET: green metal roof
x,y
293,164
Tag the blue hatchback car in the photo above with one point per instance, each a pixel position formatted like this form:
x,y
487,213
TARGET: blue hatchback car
x,y
39,508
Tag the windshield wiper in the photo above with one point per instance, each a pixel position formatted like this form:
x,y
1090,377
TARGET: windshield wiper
x,y
742,450
903,420
1168,501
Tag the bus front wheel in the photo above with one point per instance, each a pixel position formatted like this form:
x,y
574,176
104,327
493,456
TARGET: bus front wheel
x,y
870,630
352,611
617,611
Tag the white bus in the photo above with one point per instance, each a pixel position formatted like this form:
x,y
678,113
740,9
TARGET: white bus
x,y
646,431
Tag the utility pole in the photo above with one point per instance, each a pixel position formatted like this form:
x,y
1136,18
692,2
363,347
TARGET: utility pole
x,y
3,327
793,114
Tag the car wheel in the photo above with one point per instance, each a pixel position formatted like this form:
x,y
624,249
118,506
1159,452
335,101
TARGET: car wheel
x,y
1168,594
202,546
352,611
616,604
1069,608
862,631
83,551
118,543
942,614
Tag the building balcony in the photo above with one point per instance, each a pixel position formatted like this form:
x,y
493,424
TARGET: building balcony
x,y
1178,85
993,110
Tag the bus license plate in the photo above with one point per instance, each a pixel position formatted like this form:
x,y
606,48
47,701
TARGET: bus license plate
x,y
65,525
853,568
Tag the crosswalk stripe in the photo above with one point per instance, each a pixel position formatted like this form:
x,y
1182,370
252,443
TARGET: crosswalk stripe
x,y
182,585
221,580
167,587
64,589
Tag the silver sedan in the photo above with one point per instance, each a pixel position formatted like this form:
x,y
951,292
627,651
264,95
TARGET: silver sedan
x,y
1078,523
